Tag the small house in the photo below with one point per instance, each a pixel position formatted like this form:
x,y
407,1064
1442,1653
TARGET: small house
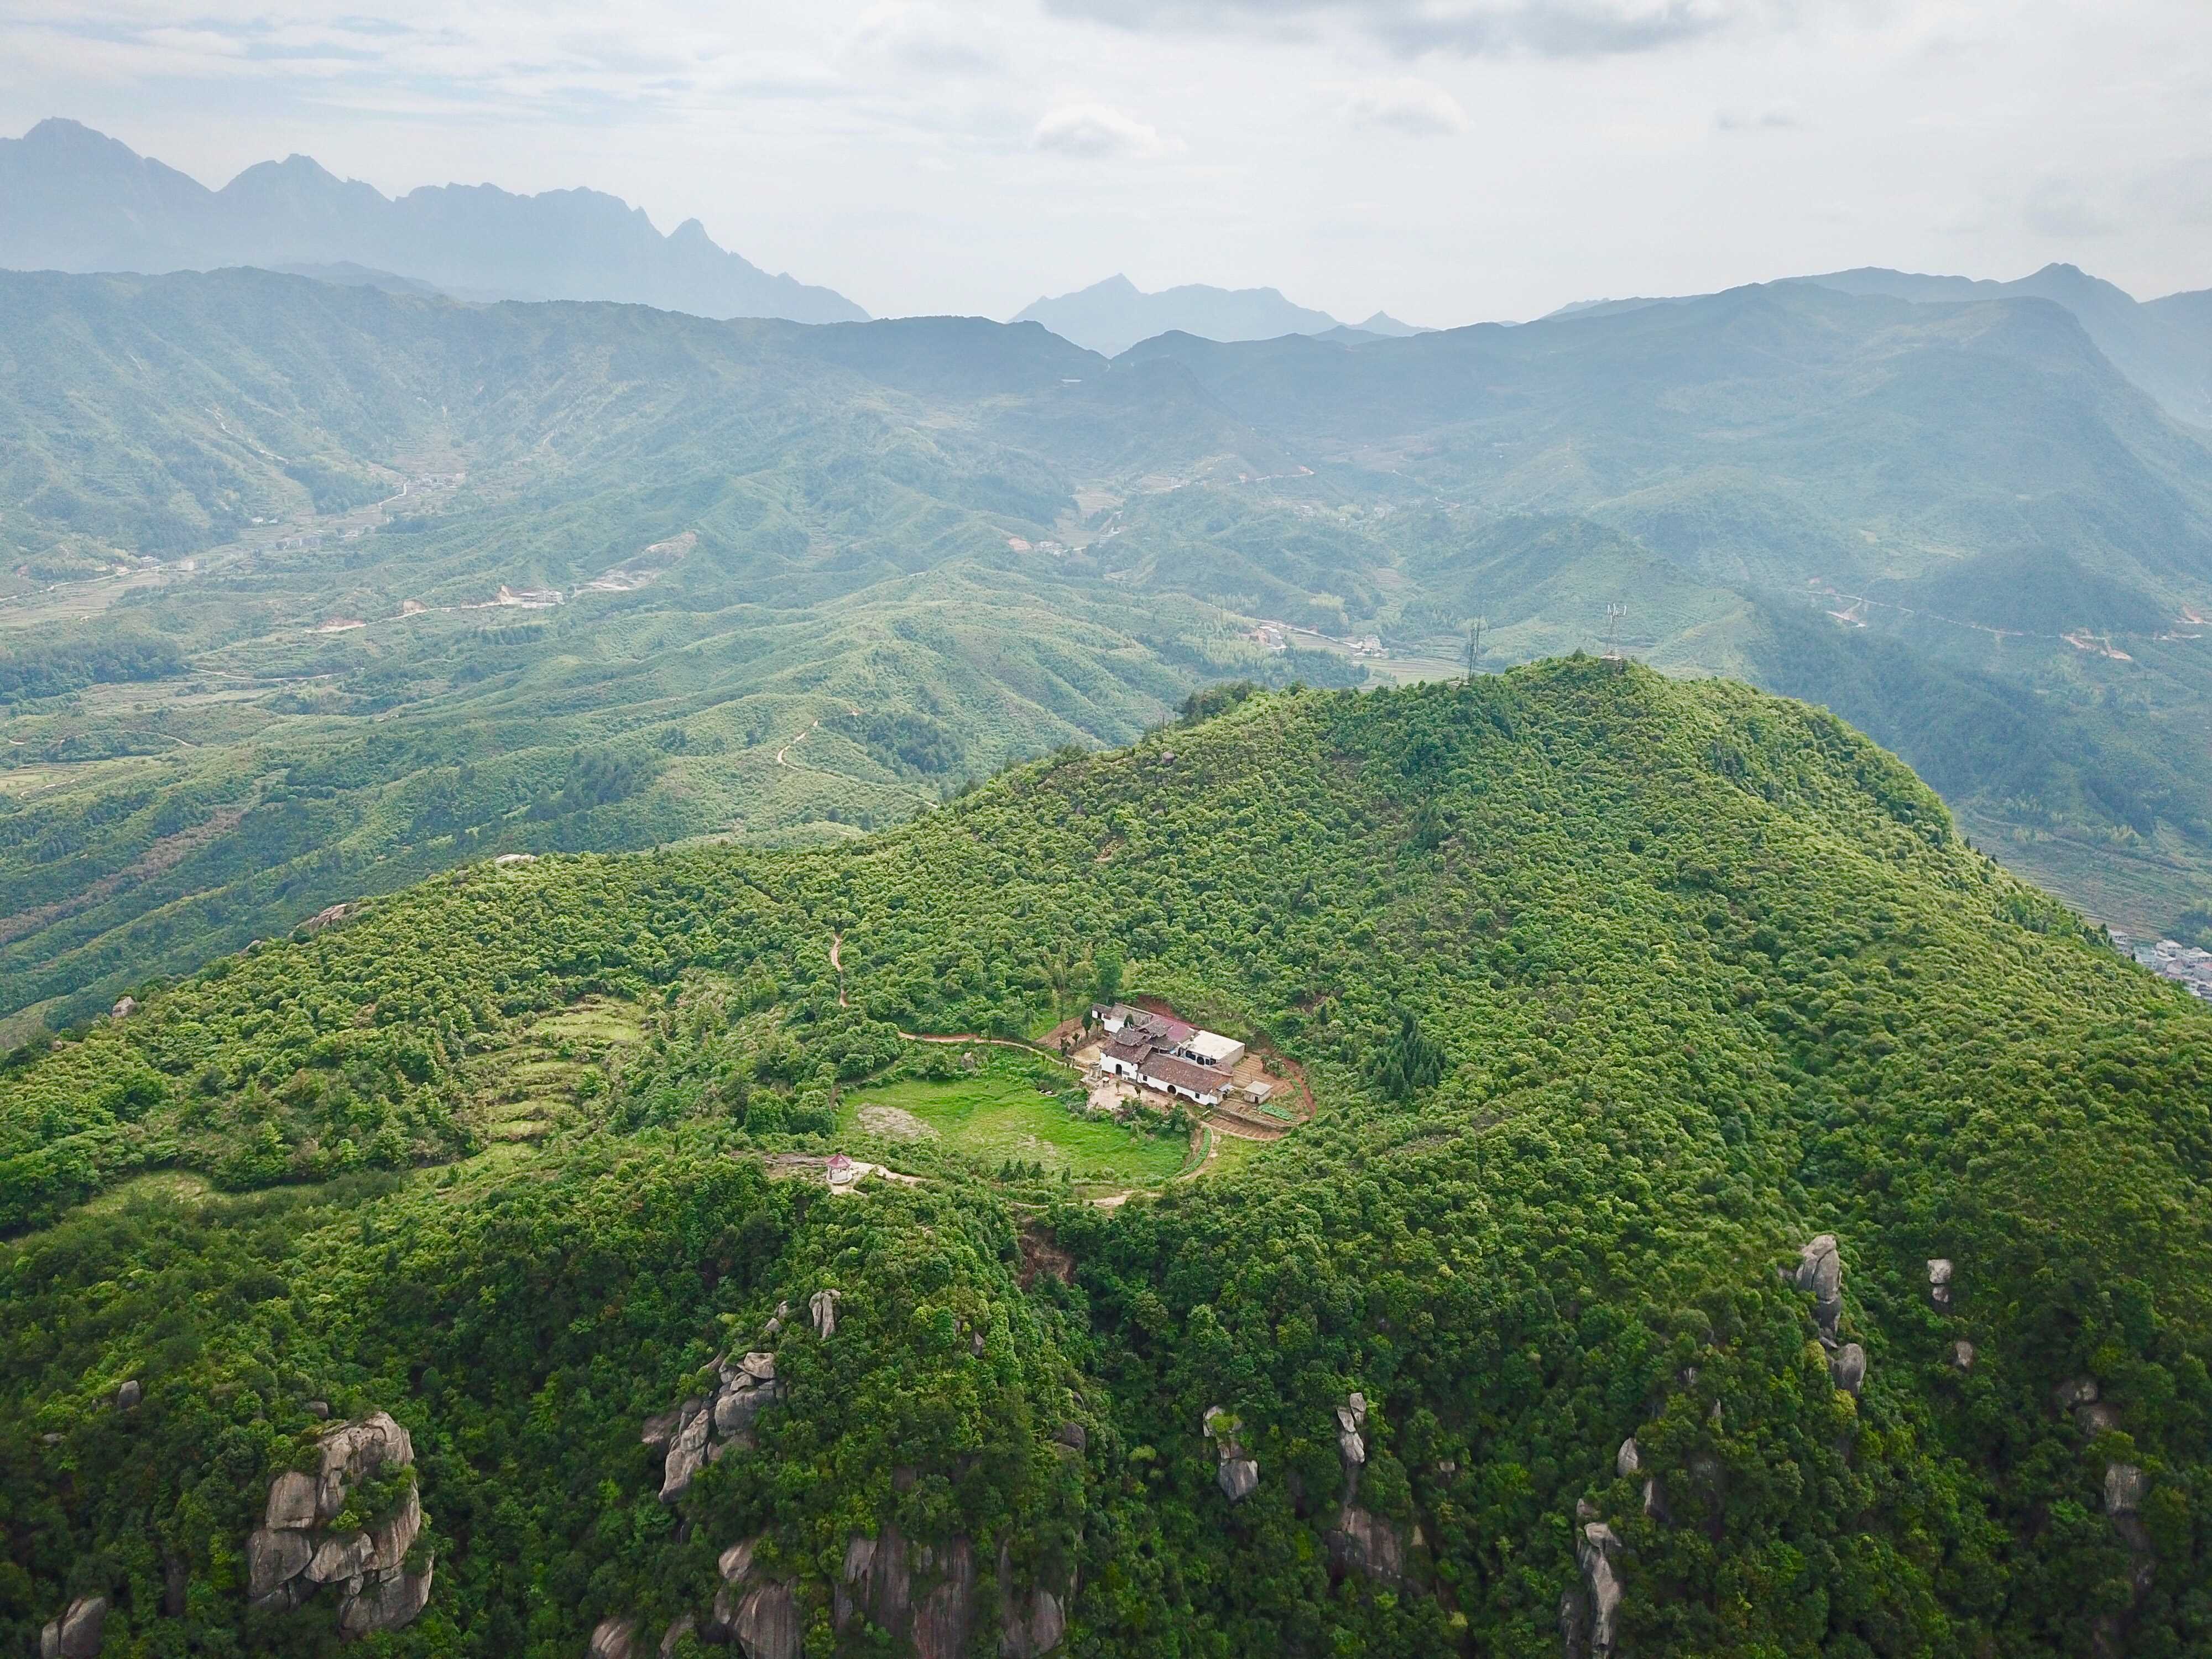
x,y
1212,1049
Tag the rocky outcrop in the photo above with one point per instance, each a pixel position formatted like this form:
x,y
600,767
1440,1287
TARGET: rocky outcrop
x,y
128,1396
293,1552
1596,1552
1627,1463
1962,1355
757,1613
706,1427
944,1617
2126,1485
880,1579
386,1601
1236,1471
1351,1442
1939,1281
687,1451
78,1633
1574,1623
875,1581
613,1638
821,1308
124,1007
1820,1272
1030,1623
1365,1543
1848,1366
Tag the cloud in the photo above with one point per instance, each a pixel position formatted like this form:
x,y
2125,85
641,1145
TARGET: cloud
x,y
1777,119
1549,28
1409,105
1097,131
921,38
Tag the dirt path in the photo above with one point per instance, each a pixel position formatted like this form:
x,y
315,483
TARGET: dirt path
x,y
994,1041
792,744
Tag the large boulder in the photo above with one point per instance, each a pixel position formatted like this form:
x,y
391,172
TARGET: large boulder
x,y
275,1556
354,1450
2124,1488
393,1537
78,1633
613,1638
291,1501
293,1552
347,1555
1030,1622
823,1306
1939,1281
766,1623
385,1601
1236,1471
1820,1271
1032,1625
1848,1367
687,1451
1365,1543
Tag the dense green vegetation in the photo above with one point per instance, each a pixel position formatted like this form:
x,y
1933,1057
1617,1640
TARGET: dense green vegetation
x,y
814,579
1614,990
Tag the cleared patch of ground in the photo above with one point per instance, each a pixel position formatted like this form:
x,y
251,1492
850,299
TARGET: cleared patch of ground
x,y
894,1123
998,1114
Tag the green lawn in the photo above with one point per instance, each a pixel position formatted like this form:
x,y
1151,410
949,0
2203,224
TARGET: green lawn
x,y
997,1114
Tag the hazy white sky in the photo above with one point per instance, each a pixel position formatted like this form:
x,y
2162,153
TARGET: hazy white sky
x,y
1449,161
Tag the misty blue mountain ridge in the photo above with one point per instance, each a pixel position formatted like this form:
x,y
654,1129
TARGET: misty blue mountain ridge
x,y
73,199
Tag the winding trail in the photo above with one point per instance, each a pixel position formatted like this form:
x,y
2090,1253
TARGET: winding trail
x,y
792,744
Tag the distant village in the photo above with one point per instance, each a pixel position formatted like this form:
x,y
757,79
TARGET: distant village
x,y
2171,959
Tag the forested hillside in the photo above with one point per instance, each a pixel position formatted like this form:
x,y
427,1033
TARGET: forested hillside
x,y
1665,1037
312,590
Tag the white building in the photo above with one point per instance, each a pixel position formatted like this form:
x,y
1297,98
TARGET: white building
x,y
1212,1049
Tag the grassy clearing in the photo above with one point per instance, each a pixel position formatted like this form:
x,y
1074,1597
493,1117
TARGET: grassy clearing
x,y
997,1113
1231,1153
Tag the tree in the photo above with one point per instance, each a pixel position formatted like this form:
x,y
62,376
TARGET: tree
x,y
1408,1062
1106,962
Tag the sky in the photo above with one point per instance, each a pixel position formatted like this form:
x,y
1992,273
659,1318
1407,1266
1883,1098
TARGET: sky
x,y
1446,160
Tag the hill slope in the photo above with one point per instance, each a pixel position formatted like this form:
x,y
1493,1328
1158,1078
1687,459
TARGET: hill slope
x,y
73,199
1614,993
580,577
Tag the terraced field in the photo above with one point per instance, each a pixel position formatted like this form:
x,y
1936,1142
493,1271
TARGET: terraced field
x,y
541,1083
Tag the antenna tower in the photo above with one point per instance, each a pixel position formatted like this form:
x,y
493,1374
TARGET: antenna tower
x,y
1613,655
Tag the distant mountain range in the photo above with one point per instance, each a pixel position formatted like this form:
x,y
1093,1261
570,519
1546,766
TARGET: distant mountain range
x,y
1110,317
2164,346
73,199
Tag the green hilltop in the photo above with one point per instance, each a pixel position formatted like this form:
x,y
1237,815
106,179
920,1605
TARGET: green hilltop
x,y
1617,995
